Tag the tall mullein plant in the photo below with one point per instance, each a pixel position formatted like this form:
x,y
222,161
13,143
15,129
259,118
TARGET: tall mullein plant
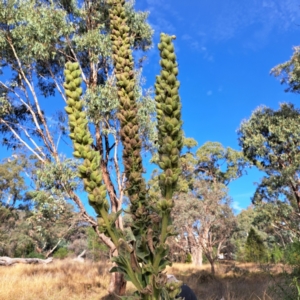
x,y
143,257
170,136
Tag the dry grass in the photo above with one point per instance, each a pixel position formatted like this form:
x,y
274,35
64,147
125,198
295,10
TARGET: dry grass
x,y
234,281
67,280
62,280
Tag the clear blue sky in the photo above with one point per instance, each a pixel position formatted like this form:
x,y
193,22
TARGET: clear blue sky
x,y
225,51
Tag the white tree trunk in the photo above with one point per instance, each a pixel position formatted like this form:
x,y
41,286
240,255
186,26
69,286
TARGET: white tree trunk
x,y
197,256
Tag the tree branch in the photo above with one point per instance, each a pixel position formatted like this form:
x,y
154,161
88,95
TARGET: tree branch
x,y
21,140
41,116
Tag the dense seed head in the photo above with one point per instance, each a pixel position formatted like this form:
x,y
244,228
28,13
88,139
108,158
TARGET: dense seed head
x,y
169,115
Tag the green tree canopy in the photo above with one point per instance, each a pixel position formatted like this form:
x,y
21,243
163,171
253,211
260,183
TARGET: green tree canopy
x,y
276,224
270,139
255,248
289,72
212,162
12,181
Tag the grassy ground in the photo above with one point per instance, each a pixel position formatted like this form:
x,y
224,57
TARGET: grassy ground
x,y
237,281
66,280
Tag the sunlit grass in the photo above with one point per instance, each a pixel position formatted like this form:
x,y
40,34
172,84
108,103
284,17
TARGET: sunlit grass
x,y
69,280
65,280
233,281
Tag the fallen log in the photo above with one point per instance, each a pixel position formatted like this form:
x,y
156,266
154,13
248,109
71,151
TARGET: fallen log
x,y
8,261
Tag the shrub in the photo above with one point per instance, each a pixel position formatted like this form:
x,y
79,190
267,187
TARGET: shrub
x,y
34,254
255,250
97,249
61,253
188,258
292,253
276,255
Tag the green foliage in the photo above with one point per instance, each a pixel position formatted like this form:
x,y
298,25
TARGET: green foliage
x,y
31,219
296,284
292,254
225,164
204,259
276,255
52,181
140,30
53,31
23,244
40,27
101,101
278,220
52,175
211,161
147,119
188,258
34,254
255,250
12,183
61,253
289,72
287,288
270,140
275,223
189,143
99,251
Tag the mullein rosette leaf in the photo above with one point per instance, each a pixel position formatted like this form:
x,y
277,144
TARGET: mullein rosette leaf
x,y
89,170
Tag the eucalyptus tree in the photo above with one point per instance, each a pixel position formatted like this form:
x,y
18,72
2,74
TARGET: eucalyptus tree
x,y
13,209
202,210
205,217
212,161
30,226
273,222
36,39
289,72
279,221
270,139
12,183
